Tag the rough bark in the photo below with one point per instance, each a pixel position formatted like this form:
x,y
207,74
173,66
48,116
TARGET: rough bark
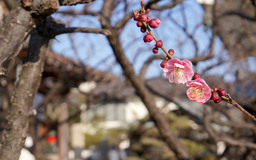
x,y
17,119
13,33
21,21
161,123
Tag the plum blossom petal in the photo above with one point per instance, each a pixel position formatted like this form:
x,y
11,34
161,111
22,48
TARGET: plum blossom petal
x,y
188,62
198,90
178,71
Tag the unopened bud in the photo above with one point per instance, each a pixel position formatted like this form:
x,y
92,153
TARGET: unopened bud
x,y
217,101
148,38
136,17
143,29
144,17
142,3
215,96
163,64
155,50
147,11
171,52
157,21
196,75
221,92
159,43
153,24
139,24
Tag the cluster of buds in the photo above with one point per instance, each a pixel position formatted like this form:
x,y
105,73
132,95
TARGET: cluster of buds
x,y
217,93
144,22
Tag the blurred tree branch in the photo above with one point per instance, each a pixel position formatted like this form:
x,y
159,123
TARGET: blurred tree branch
x,y
239,14
220,137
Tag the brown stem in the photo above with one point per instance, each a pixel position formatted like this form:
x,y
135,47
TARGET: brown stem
x,y
230,100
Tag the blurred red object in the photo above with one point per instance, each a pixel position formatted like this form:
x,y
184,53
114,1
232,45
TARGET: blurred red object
x,y
51,139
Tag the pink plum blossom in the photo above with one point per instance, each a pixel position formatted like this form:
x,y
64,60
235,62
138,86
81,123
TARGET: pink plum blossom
x,y
198,90
178,71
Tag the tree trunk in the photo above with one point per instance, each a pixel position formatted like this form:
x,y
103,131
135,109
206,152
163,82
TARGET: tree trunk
x,y
13,33
17,119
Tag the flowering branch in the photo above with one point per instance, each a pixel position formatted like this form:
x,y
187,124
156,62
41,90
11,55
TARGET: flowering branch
x,y
144,26
181,72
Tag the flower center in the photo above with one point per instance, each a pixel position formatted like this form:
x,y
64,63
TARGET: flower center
x,y
197,92
178,72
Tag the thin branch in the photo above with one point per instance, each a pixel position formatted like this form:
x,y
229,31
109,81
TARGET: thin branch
x,y
74,13
230,100
59,31
185,30
211,47
147,63
240,143
74,2
123,21
51,94
152,5
239,14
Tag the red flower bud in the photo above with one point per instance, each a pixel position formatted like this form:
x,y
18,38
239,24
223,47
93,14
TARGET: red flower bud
x,y
148,38
147,11
159,44
196,75
144,17
142,3
143,29
139,24
215,96
163,64
136,17
171,52
217,101
158,21
155,50
221,92
153,23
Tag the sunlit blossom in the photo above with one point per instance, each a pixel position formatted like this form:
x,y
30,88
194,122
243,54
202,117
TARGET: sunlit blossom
x,y
198,90
178,71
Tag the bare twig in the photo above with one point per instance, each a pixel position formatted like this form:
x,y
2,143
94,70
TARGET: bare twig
x,y
83,30
230,100
239,14
212,132
74,2
147,63
152,4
